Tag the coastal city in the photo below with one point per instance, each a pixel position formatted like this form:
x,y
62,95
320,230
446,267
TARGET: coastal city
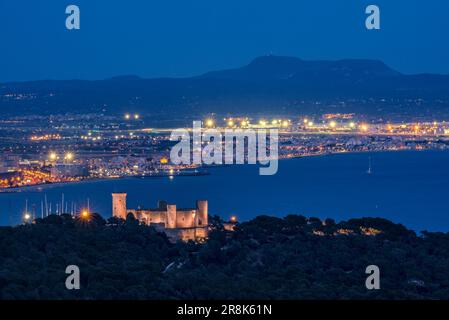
x,y
224,159
61,149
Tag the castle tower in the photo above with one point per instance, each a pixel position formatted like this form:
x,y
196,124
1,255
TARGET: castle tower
x,y
170,222
119,205
202,213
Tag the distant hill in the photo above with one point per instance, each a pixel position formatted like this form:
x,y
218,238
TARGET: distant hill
x,y
268,85
295,69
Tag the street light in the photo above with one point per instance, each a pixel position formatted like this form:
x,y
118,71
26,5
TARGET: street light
x,y
68,156
26,217
53,156
85,214
364,127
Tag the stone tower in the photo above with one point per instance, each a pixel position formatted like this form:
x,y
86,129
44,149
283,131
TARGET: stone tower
x,y
119,205
202,213
171,217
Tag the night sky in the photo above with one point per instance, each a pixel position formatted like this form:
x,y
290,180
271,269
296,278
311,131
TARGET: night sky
x,y
178,38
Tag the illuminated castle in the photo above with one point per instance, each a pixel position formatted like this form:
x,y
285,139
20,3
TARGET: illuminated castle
x,y
185,224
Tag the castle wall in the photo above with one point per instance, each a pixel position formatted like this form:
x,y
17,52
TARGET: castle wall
x,y
187,234
149,216
185,219
190,224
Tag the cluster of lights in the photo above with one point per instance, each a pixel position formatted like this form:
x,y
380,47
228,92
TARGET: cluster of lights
x,y
276,122
308,122
129,116
231,123
91,137
53,156
235,122
334,125
46,137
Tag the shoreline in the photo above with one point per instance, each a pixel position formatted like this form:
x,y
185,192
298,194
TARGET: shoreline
x,y
89,180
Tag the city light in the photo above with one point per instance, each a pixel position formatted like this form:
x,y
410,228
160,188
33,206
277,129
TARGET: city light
x,y
230,123
210,123
127,116
68,156
53,156
164,160
85,214
364,127
262,122
26,217
274,122
136,116
233,219
310,123
352,125
285,123
244,123
332,124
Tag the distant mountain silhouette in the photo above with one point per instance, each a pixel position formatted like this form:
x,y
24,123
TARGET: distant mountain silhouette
x,y
289,68
125,77
267,85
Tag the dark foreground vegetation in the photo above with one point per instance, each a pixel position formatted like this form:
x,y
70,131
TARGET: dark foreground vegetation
x,y
266,258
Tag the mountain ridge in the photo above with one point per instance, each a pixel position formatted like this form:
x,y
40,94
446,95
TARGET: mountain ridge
x,y
269,84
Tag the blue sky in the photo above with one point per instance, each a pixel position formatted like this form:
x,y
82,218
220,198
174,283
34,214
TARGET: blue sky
x,y
179,38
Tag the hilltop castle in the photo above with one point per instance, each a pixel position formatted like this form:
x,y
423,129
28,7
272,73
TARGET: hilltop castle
x,y
185,224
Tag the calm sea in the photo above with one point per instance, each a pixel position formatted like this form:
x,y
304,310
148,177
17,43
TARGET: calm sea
x,y
411,188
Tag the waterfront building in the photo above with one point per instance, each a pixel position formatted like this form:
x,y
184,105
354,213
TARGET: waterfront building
x,y
68,170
